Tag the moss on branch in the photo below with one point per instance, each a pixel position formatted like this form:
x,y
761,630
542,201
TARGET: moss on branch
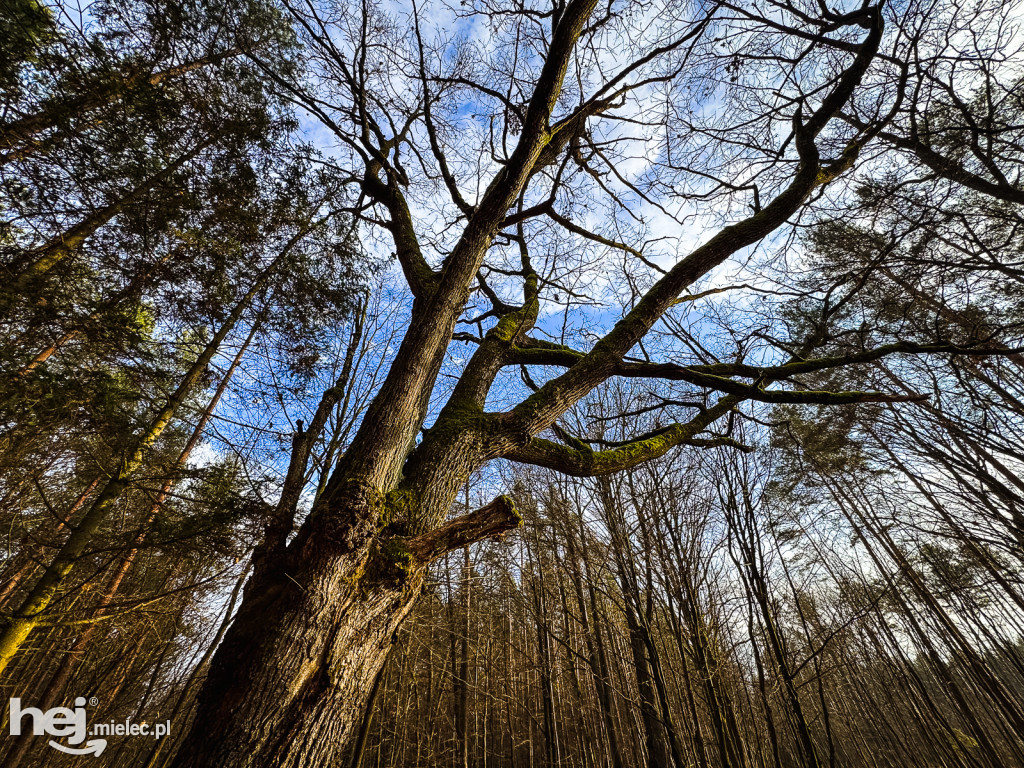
x,y
581,461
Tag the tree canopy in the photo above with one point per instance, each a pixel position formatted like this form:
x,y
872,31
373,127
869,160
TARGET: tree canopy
x,y
283,280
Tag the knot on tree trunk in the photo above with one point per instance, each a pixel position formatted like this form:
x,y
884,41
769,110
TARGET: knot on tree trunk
x,y
343,522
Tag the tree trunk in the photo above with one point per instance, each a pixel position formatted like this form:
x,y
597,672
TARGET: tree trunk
x,y
71,659
364,725
597,656
17,627
288,686
461,688
291,680
34,264
655,738
294,671
28,558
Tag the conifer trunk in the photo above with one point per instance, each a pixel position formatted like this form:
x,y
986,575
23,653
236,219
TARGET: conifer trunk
x,y
15,629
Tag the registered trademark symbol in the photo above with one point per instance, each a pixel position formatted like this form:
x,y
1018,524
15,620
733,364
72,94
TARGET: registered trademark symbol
x,y
93,701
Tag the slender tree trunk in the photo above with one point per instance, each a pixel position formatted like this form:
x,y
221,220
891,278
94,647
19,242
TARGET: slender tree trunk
x,y
19,135
29,614
34,264
282,521
597,655
743,528
552,744
71,659
461,688
28,567
646,619
653,726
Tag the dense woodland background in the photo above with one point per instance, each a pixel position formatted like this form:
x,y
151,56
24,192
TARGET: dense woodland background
x,y
196,312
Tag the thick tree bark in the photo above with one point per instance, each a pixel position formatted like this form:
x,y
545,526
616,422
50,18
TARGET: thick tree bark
x,y
367,720
290,681
189,689
294,671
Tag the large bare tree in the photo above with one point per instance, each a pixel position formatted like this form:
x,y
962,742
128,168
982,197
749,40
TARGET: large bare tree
x,y
521,160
